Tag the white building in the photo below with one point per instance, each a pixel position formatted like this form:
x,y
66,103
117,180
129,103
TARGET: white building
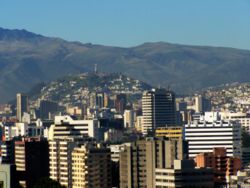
x,y
243,118
67,126
211,132
22,129
129,117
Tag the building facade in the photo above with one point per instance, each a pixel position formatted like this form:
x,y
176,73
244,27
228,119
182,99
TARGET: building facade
x,y
184,174
158,109
22,105
139,159
204,135
91,167
66,126
31,160
222,165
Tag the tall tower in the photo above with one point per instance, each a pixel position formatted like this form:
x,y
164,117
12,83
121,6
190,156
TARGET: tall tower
x,y
22,105
158,109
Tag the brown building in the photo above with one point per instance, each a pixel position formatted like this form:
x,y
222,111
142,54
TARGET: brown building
x,y
139,160
222,164
32,160
120,102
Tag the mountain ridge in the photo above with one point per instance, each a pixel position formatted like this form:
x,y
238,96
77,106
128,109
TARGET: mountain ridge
x,y
27,59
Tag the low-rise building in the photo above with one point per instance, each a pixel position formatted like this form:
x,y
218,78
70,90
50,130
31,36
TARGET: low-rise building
x,y
184,174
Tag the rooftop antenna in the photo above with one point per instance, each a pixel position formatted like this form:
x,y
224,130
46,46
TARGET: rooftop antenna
x,y
95,69
168,87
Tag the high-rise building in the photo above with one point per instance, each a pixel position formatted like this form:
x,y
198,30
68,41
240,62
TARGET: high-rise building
x,y
32,160
120,102
211,132
139,159
97,100
202,104
60,160
47,107
21,106
139,123
158,109
129,118
106,100
91,167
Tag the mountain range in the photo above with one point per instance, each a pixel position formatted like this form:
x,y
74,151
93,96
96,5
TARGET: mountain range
x,y
27,59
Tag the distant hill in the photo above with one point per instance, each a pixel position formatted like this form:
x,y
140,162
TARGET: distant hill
x,y
75,89
27,59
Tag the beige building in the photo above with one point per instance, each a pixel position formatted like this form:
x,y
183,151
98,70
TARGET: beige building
x,y
60,160
184,174
91,167
139,159
129,117
139,123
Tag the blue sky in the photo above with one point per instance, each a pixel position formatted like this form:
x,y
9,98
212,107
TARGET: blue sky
x,y
132,22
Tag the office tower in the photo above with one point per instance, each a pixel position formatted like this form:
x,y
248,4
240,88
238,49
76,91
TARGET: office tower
x,y
32,160
91,167
158,109
184,174
60,160
139,159
211,132
221,164
120,102
106,100
129,118
96,100
22,105
202,104
47,107
68,126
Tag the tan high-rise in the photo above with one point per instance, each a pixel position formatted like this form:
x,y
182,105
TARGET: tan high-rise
x,y
91,167
139,160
